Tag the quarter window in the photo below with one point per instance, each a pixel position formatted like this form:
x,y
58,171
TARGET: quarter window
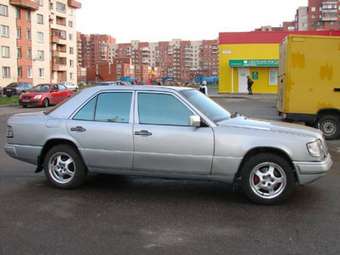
x,y
87,112
162,109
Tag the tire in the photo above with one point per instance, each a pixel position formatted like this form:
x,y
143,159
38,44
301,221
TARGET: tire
x,y
330,126
46,103
64,168
266,187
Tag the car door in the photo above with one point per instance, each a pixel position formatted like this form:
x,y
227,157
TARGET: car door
x,y
54,94
63,93
103,130
163,139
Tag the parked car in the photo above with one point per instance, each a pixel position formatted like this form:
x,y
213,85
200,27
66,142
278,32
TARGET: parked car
x,y
166,132
116,83
70,86
45,95
16,88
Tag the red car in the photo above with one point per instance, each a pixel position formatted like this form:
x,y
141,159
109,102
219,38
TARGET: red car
x,y
45,95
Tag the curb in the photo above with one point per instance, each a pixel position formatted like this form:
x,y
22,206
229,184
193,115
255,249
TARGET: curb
x,y
8,105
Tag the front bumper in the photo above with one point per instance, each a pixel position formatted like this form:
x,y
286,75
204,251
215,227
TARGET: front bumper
x,y
26,153
30,103
308,172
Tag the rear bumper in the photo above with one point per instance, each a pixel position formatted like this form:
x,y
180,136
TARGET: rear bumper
x,y
26,153
308,172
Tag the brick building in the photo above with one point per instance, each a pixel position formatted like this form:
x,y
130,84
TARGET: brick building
x,y
323,15
38,41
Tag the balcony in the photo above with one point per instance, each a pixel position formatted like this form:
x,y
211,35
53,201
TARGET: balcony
x,y
26,4
57,39
74,4
59,67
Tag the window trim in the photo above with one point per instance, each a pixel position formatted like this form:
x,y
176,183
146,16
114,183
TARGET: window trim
x,y
6,12
137,121
131,119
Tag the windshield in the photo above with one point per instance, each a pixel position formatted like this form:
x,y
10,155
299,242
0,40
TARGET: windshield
x,y
205,105
42,88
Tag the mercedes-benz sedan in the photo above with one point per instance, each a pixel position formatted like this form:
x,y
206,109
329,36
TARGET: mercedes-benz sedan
x,y
166,132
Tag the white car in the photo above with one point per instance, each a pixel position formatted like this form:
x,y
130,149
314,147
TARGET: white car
x,y
70,85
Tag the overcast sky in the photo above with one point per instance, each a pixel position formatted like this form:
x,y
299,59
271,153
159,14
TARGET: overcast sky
x,y
157,20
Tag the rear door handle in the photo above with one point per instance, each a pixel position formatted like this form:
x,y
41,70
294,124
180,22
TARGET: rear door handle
x,y
143,133
336,89
78,129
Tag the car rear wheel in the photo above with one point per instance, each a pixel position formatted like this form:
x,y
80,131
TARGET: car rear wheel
x,y
46,103
64,168
330,126
267,179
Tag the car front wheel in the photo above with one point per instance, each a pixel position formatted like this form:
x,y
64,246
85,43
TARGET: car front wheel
x,y
64,168
267,178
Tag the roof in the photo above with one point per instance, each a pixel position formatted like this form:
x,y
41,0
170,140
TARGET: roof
x,y
136,87
266,37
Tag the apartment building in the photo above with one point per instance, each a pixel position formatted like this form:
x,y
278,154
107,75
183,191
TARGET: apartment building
x,y
95,49
38,41
324,15
178,60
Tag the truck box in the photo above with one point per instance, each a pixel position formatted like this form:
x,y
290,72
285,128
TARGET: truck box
x,y
309,82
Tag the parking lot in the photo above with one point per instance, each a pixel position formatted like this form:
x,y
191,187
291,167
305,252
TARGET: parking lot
x,y
135,215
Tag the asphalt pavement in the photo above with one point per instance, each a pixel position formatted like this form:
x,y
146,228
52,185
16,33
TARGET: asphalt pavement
x,y
135,215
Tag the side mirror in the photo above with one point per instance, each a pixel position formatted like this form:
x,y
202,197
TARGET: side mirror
x,y
195,121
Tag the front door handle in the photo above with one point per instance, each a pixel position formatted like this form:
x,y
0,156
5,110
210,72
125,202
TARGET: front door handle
x,y
143,133
78,129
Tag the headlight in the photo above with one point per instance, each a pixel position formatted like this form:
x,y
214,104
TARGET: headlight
x,y
315,148
10,133
37,97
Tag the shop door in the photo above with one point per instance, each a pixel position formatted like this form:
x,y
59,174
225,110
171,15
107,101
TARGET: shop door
x,y
242,80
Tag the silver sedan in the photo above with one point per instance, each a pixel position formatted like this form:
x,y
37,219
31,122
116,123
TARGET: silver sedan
x,y
166,132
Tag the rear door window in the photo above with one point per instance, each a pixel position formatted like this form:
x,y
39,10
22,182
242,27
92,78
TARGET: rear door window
x,y
113,107
107,107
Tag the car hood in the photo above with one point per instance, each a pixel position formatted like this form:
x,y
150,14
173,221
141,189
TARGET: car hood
x,y
271,126
34,93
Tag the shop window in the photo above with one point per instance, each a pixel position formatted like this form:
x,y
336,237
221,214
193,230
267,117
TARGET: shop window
x,y
273,77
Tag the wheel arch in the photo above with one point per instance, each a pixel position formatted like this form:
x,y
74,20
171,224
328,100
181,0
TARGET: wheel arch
x,y
264,149
51,143
331,111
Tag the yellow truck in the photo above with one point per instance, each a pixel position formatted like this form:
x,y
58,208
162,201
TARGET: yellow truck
x,y
309,82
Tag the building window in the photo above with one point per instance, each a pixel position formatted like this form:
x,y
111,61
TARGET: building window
x,y
28,15
70,37
40,36
41,2
70,23
5,52
6,72
4,31
71,50
71,63
71,76
18,33
29,34
19,53
3,10
18,13
41,55
19,71
41,72
61,7
40,19
29,72
29,53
